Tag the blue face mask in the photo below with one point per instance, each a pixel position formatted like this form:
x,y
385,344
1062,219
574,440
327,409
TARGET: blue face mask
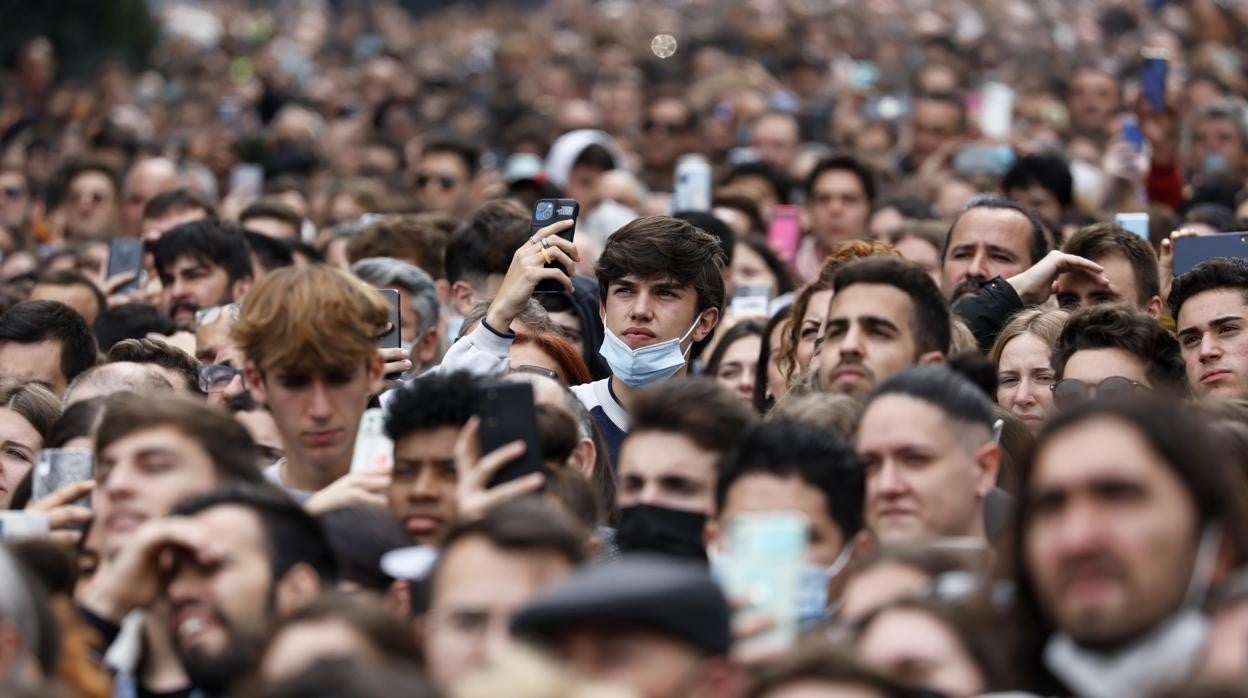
x,y
647,365
812,592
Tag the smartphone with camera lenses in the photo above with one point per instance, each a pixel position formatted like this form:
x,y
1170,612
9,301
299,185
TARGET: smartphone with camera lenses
x,y
547,212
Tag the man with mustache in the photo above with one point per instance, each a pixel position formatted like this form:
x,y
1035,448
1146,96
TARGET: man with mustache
x,y
202,264
886,315
1129,515
997,260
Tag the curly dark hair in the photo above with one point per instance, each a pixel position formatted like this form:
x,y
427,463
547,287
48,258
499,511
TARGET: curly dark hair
x,y
430,402
1119,327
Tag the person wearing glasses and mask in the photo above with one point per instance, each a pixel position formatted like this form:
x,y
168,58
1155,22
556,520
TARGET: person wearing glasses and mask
x,y
1109,350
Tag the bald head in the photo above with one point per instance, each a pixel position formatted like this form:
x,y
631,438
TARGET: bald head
x,y
106,379
146,179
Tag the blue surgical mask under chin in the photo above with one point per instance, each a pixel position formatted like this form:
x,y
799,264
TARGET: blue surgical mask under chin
x,y
647,365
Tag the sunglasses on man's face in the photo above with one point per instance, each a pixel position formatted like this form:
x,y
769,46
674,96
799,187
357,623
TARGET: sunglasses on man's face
x,y
216,378
444,182
1072,391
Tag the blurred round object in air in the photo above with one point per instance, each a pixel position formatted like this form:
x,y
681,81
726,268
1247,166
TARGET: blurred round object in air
x,y
663,45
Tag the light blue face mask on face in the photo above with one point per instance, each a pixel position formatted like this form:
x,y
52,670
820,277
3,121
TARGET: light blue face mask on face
x,y
647,365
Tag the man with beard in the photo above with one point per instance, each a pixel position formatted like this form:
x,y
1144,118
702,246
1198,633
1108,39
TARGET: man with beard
x,y
202,264
994,237
229,563
151,452
886,315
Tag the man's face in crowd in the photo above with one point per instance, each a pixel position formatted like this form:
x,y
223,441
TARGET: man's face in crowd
x,y
838,207
443,184
77,296
918,649
1040,200
1213,340
147,179
762,493
318,412
92,203
14,199
1111,537
1077,290
1218,136
422,490
221,349
142,475
1092,101
263,430
666,469
642,312
220,612
775,138
37,362
924,476
665,133
985,243
868,337
470,612
189,285
935,122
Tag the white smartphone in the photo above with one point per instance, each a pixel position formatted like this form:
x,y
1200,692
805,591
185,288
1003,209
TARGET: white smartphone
x,y
373,449
1134,223
996,111
763,567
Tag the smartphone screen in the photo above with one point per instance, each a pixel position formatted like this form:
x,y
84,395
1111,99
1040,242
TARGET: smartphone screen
x,y
785,231
546,212
125,255
58,467
1132,134
392,338
750,301
1134,223
1153,80
373,449
507,414
996,113
1190,251
762,568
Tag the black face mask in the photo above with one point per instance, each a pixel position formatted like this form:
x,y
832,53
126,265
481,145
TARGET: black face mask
x,y
653,529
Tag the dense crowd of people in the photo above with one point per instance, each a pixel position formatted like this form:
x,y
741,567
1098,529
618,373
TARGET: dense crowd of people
x,y
843,372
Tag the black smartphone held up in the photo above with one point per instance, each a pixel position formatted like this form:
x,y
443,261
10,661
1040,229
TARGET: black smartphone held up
x,y
125,255
1190,251
391,339
546,212
507,414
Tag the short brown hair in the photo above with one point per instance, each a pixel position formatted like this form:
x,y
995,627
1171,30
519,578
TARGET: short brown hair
x,y
408,238
227,443
35,403
156,352
1103,239
660,246
1119,327
698,408
366,615
310,318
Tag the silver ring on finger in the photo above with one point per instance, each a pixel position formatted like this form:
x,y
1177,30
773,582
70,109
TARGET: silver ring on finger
x,y
545,244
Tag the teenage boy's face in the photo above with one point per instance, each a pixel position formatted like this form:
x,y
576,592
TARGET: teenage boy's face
x,y
642,312
318,412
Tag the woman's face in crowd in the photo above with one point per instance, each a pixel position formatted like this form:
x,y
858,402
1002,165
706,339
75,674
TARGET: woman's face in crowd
x,y
20,443
812,326
776,385
1025,379
749,269
739,366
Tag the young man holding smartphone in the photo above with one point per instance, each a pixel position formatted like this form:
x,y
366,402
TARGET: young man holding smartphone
x,y
662,289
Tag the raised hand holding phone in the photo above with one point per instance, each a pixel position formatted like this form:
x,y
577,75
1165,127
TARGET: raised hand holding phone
x,y
474,494
528,267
